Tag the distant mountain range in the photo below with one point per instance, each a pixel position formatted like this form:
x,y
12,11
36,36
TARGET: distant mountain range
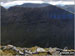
x,y
44,26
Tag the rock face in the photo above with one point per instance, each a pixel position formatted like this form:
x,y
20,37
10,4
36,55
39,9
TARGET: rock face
x,y
44,26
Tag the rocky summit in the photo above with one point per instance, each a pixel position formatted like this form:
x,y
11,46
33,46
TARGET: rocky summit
x,y
10,50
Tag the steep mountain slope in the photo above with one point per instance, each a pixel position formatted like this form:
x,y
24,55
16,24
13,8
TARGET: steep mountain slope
x,y
44,26
69,8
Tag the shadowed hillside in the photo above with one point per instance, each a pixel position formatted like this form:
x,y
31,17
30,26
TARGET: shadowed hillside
x,y
44,26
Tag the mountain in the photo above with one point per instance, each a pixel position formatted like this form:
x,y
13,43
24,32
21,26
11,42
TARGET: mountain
x,y
48,26
33,5
14,3
69,8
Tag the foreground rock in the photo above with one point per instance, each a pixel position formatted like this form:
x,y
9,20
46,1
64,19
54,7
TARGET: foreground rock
x,y
11,50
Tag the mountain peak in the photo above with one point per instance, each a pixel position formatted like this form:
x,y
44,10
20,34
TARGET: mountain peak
x,y
13,3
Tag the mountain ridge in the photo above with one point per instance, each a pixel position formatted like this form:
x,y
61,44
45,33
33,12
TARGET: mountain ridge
x,y
42,26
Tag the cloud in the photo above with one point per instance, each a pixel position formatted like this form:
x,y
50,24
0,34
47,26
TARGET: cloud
x,y
33,0
13,3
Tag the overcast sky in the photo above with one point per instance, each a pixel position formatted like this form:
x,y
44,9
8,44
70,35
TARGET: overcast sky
x,y
35,0
9,3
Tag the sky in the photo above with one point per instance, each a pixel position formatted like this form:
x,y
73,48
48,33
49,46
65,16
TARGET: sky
x,y
33,0
9,3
